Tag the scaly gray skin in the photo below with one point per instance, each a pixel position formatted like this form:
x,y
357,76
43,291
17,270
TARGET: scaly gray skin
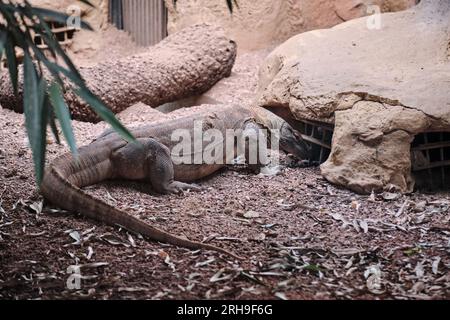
x,y
111,157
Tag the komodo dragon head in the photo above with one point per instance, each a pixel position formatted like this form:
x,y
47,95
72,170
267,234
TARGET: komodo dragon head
x,y
291,140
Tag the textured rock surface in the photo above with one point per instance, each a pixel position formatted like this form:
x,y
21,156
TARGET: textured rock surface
x,y
380,87
184,64
258,24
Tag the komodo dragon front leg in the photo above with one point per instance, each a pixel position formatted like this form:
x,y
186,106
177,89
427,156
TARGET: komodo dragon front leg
x,y
148,160
255,159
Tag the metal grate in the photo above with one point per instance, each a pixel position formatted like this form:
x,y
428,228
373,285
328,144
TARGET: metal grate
x,y
116,13
62,32
430,157
319,135
430,151
145,20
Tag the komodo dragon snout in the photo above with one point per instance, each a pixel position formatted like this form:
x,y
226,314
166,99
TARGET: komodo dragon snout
x,y
292,142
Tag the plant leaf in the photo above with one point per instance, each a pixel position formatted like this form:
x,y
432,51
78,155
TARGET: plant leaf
x,y
51,119
12,62
43,29
3,37
35,116
230,5
54,68
62,113
104,112
88,3
51,66
42,107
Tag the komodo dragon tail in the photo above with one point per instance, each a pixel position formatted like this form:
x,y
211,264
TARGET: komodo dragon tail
x,y
60,186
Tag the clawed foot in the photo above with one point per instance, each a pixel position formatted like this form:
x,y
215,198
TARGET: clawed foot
x,y
269,171
293,162
178,187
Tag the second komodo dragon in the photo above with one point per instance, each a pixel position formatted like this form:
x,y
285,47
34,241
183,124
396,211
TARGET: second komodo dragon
x,y
111,157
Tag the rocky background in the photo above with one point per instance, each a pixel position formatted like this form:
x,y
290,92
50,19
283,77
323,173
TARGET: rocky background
x,y
379,86
259,24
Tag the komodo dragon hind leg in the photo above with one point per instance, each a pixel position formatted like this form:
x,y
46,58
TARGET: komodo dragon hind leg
x,y
149,161
160,170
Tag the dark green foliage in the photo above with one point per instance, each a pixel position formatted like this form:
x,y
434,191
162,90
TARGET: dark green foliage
x,y
230,5
61,111
44,98
35,114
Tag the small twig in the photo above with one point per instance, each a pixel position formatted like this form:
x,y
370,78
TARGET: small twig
x,y
402,209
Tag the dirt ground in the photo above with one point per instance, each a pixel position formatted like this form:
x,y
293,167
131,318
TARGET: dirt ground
x,y
301,238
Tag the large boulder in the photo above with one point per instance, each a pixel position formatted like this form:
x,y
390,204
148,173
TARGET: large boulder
x,y
381,80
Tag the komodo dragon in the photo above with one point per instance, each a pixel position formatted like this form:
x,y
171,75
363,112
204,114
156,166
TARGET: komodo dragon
x,y
111,157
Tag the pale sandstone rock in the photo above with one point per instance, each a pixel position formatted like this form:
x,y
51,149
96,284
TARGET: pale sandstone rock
x,y
258,24
379,87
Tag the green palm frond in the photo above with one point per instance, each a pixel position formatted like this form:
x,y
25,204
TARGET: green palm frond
x,y
43,101
43,96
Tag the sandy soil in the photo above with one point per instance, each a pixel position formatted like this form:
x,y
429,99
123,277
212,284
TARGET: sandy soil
x,y
89,48
301,237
